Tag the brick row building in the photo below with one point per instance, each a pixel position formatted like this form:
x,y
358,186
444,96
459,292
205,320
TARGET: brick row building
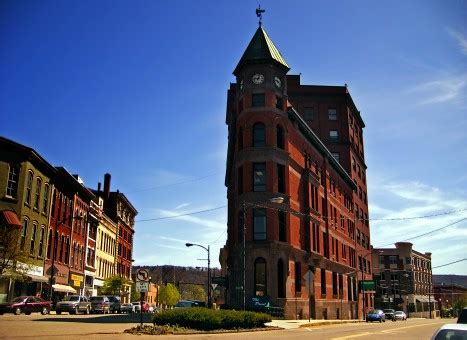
x,y
71,234
298,231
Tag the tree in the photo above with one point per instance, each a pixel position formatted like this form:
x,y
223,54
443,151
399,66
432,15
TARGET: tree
x,y
135,296
193,292
168,295
14,262
114,285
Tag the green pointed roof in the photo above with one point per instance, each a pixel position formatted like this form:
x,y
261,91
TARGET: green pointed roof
x,y
261,50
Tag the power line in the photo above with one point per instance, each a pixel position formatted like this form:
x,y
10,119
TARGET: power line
x,y
187,214
448,264
427,233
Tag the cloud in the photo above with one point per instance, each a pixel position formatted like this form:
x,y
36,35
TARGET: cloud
x,y
414,199
206,222
183,205
443,90
461,40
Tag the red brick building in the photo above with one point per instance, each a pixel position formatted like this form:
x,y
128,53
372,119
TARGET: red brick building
x,y
66,243
302,144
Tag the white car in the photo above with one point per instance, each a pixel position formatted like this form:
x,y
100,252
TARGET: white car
x,y
399,315
451,331
127,308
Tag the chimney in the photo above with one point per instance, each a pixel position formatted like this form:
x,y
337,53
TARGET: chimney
x,y
98,187
106,186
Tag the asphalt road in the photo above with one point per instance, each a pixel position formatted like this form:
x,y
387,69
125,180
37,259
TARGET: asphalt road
x,y
37,326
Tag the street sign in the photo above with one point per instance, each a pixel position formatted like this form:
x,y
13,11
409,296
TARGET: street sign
x,y
219,280
309,278
142,275
142,286
368,285
214,286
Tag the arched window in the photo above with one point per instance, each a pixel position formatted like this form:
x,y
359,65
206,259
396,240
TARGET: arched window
x,y
280,137
259,134
29,188
240,139
280,279
260,277
38,193
282,226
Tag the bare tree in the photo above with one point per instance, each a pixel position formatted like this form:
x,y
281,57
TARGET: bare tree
x,y
14,262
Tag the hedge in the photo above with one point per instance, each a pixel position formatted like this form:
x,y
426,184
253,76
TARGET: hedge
x,y
208,319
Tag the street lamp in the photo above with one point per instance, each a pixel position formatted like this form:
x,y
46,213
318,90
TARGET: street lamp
x,y
209,270
276,200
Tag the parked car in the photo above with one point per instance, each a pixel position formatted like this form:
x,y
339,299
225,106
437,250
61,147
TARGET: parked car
x,y
100,304
376,315
137,305
389,314
462,316
26,305
127,308
399,315
74,304
451,331
115,304
188,304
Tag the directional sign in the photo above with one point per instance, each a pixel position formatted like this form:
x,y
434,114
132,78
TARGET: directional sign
x,y
142,275
142,286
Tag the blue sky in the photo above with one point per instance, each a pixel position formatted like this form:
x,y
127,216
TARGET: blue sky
x,y
138,89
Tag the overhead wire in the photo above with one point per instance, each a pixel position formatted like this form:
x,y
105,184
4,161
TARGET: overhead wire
x,y
448,264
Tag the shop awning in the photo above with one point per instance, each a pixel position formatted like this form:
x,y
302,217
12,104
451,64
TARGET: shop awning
x,y
63,288
9,218
37,278
423,299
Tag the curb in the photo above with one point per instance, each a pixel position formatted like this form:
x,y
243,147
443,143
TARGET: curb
x,y
322,323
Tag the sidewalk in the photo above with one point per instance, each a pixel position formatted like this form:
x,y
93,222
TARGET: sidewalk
x,y
290,324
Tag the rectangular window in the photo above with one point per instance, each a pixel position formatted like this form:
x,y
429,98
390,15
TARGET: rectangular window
x,y
298,277
323,281
67,250
49,245
12,184
281,178
316,237
326,244
23,234
33,239
333,135
29,188
259,176
392,259
381,260
258,100
279,102
332,114
38,193
282,226
259,224
335,155
45,199
41,241
308,113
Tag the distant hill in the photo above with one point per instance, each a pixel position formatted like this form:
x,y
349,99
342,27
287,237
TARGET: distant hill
x,y
460,280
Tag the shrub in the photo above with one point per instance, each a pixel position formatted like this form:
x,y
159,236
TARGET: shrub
x,y
208,319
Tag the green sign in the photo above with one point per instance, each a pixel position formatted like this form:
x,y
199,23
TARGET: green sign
x,y
368,285
219,280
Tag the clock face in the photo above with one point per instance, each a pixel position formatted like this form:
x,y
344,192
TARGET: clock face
x,y
258,78
278,82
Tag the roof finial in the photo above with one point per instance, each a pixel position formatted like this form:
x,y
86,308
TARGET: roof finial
x,y
259,14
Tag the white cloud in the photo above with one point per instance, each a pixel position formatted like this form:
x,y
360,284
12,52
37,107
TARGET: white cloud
x,y
415,199
442,90
461,40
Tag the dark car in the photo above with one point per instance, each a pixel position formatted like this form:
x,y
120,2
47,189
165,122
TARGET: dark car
x,y
376,315
115,304
462,316
74,304
26,305
389,313
100,304
188,304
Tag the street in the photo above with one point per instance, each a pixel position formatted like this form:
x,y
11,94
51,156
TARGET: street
x,y
111,326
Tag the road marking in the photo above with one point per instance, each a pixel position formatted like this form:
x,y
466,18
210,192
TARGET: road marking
x,y
352,336
399,328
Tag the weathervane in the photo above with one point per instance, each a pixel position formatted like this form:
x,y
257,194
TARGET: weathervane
x,y
259,14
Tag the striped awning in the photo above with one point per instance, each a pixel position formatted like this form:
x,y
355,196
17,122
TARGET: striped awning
x,y
9,218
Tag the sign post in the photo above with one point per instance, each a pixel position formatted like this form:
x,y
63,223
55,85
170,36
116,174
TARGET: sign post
x,y
142,286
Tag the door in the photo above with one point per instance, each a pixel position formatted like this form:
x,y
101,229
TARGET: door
x,y
29,306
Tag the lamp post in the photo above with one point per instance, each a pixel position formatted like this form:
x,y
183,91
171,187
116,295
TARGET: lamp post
x,y
276,200
209,268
